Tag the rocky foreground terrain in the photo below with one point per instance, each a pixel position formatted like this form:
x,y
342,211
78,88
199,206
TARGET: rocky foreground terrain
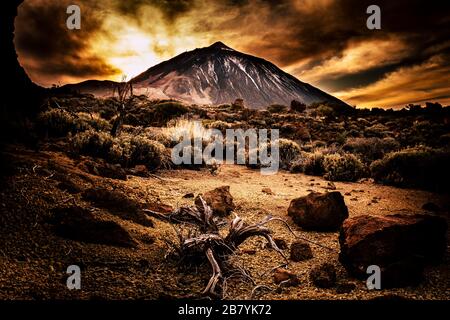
x,y
72,194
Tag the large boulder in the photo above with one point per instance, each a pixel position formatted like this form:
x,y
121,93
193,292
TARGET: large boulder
x,y
220,200
80,224
400,244
319,211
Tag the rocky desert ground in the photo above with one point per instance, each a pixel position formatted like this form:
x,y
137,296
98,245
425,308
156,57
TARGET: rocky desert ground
x,y
355,188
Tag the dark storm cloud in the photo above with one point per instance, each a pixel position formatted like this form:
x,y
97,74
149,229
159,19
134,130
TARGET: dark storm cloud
x,y
329,29
325,42
43,38
170,8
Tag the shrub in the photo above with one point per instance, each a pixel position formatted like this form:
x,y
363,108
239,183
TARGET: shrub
x,y
85,121
219,125
377,130
148,152
165,111
59,122
297,106
289,151
310,163
97,144
56,122
370,149
325,111
342,167
420,167
277,108
159,135
126,149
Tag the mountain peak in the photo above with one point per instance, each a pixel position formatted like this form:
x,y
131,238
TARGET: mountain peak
x,y
220,45
217,75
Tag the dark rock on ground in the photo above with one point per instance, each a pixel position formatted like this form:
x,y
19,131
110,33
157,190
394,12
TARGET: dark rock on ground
x,y
300,251
267,191
400,244
220,200
323,276
80,224
189,195
319,211
281,243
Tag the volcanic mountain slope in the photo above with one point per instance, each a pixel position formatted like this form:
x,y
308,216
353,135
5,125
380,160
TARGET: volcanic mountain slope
x,y
218,74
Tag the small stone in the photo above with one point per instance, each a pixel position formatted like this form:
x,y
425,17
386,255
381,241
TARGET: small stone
x,y
220,200
281,243
189,195
300,251
331,186
323,276
248,251
287,277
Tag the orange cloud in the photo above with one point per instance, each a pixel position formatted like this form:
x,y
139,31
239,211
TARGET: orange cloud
x,y
425,82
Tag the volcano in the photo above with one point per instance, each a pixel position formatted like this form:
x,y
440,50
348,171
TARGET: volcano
x,y
217,75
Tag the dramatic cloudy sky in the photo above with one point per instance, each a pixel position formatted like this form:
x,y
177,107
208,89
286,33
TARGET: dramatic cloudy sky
x,y
323,42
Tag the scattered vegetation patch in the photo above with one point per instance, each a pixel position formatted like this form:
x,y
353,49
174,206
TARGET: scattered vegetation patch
x,y
342,167
370,149
418,167
277,108
289,152
59,122
126,150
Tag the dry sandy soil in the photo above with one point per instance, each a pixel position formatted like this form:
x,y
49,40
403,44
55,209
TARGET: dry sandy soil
x,y
33,260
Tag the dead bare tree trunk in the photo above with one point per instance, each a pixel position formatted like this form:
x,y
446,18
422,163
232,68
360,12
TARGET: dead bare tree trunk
x,y
208,241
124,95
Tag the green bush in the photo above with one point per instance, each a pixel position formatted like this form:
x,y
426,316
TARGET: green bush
x,y
165,111
159,135
277,108
85,121
150,153
310,163
342,167
219,125
289,151
59,122
56,122
370,149
97,144
126,149
418,167
325,111
377,130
